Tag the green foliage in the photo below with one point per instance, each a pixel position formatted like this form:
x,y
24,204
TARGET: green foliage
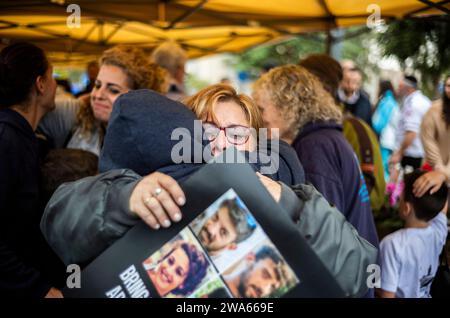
x,y
287,52
423,43
194,83
294,49
208,288
357,48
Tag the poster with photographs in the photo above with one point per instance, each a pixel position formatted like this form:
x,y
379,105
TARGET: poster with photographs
x,y
230,248
222,252
242,254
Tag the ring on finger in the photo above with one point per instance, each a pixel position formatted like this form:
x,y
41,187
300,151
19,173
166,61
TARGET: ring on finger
x,y
157,192
147,200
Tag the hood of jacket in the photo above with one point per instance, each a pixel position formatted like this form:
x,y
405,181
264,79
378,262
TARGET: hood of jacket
x,y
144,133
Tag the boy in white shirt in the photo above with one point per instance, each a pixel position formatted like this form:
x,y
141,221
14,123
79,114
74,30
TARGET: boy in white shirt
x,y
410,256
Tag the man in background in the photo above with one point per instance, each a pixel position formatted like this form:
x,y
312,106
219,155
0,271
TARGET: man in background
x,y
352,96
173,58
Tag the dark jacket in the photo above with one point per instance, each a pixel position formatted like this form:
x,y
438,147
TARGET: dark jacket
x,y
291,171
332,167
278,162
21,243
361,109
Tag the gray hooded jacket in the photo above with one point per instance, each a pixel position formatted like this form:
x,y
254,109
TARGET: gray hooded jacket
x,y
85,217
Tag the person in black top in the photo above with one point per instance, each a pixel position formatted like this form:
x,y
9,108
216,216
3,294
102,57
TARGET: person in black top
x,y
27,92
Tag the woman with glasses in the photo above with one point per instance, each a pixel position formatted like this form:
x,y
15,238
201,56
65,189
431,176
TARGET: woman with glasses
x,y
227,117
232,119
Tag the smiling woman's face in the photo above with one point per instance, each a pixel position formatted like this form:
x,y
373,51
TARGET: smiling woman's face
x,y
111,82
172,271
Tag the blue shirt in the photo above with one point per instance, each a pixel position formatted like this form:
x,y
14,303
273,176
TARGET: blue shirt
x,y
382,114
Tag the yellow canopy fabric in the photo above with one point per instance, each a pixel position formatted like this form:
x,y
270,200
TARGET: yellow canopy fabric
x,y
201,26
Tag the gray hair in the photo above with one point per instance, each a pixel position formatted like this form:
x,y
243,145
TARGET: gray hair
x,y
170,56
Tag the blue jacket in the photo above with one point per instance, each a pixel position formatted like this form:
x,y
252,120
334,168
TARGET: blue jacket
x,y
332,167
382,114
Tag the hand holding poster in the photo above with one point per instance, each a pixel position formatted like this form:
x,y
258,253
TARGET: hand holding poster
x,y
234,241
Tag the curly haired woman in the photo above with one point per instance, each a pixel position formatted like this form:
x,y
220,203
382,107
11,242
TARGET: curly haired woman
x,y
180,271
81,125
294,101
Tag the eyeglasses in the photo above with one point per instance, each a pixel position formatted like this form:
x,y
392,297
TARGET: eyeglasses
x,y
236,134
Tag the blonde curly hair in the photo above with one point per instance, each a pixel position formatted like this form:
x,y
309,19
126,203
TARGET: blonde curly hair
x,y
203,103
141,73
298,95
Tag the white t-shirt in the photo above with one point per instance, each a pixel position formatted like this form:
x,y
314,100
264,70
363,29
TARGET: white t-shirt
x,y
387,137
414,108
410,258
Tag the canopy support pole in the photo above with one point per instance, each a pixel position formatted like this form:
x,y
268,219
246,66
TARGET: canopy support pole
x,y
187,14
426,8
436,5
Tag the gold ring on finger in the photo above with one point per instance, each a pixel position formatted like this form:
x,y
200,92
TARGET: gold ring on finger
x,y
147,200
